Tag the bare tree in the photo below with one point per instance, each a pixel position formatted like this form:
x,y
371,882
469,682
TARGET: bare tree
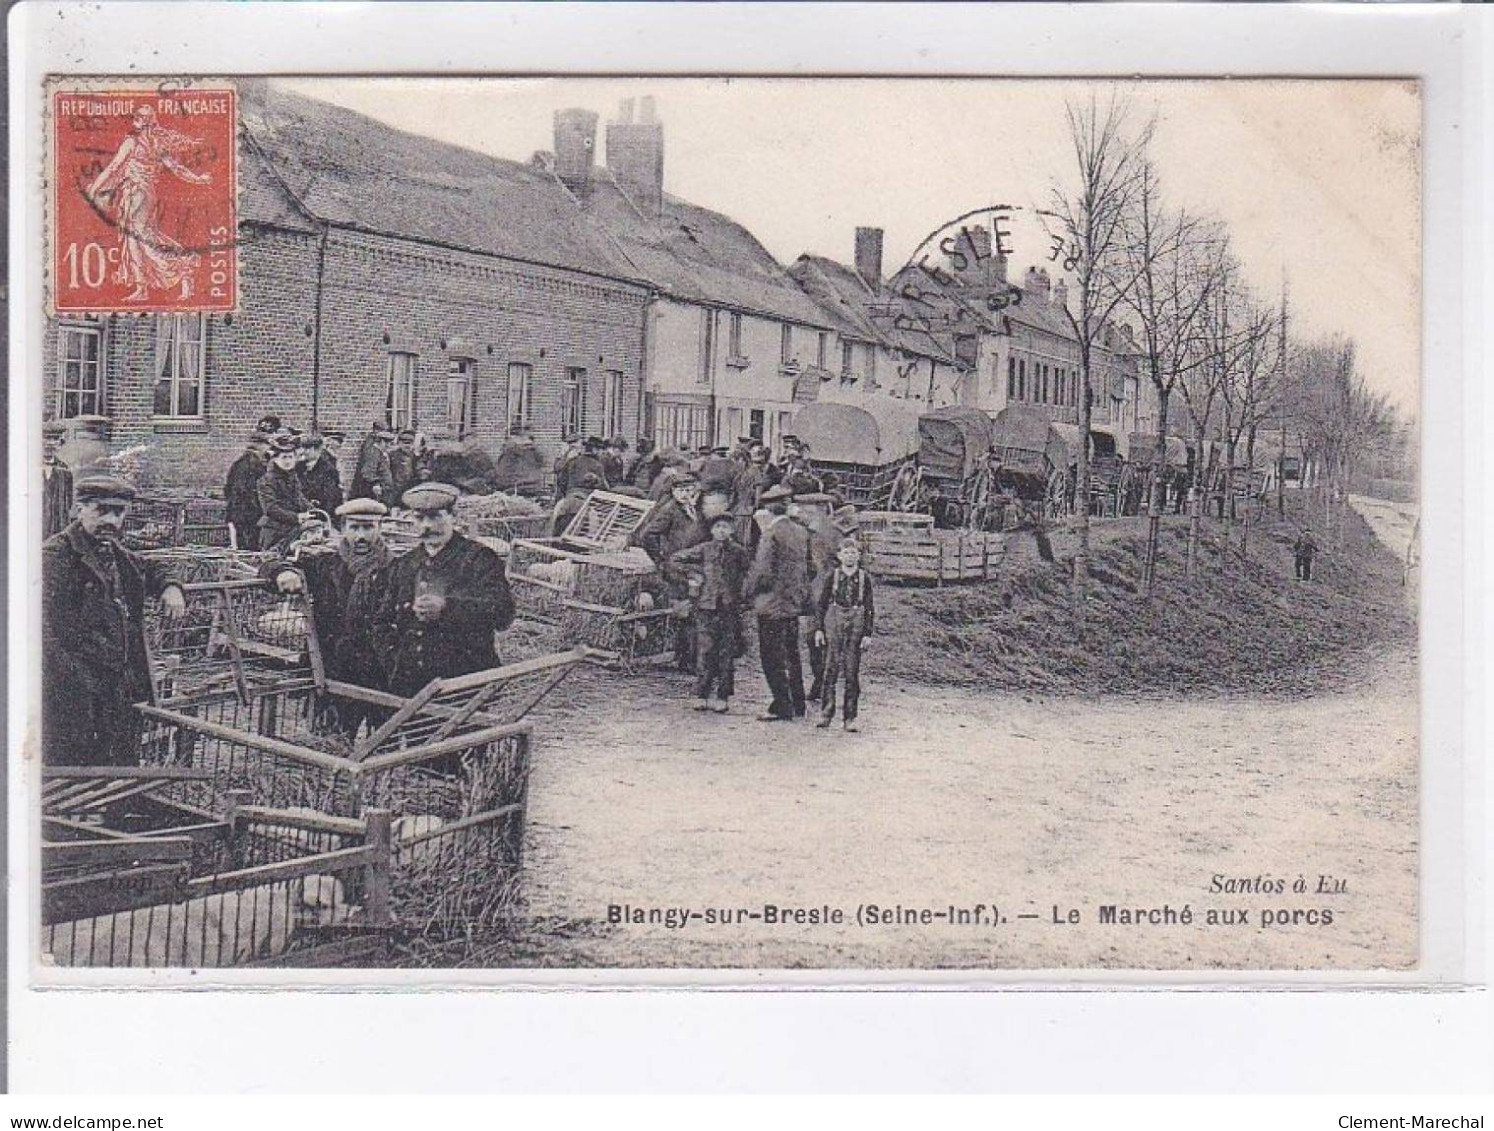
x,y
1248,393
1087,223
1203,380
1166,255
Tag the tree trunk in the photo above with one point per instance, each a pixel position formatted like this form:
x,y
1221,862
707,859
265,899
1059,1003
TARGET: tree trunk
x,y
1196,502
1158,497
1081,496
1227,508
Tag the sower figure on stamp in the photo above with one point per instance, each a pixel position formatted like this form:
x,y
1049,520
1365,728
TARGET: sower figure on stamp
x,y
718,621
94,666
844,617
344,581
442,601
778,586
57,481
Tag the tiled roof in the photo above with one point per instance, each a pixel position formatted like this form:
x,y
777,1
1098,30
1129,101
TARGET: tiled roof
x,y
694,254
866,314
346,169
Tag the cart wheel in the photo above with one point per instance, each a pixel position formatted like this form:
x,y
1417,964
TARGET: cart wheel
x,y
1056,501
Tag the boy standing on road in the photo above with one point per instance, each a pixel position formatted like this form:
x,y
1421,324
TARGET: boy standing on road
x,y
723,564
844,617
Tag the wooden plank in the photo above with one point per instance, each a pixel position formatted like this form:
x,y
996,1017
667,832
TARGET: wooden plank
x,y
115,853
253,741
463,825
309,822
63,824
282,871
436,749
378,838
154,773
511,671
104,893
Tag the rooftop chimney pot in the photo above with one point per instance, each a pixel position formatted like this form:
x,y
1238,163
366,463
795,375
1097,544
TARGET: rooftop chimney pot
x,y
575,140
869,256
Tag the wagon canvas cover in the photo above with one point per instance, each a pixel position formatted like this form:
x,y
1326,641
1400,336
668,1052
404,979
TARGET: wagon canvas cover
x,y
952,441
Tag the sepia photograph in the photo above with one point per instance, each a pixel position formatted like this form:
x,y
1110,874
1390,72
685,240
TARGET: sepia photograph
x,y
503,523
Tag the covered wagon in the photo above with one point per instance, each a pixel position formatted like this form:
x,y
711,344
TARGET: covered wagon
x,y
864,444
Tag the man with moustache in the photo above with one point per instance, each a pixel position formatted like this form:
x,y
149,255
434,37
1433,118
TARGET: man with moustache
x,y
345,580
94,666
443,600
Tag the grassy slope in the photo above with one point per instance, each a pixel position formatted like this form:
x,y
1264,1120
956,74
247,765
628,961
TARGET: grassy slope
x,y
1247,628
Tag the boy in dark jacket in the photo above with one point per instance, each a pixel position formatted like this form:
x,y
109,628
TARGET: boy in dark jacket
x,y
843,627
721,566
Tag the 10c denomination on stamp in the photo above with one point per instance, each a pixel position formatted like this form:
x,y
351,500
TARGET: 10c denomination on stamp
x,y
145,210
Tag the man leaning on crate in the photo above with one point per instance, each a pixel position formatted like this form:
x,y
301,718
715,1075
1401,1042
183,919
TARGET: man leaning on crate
x,y
443,600
94,666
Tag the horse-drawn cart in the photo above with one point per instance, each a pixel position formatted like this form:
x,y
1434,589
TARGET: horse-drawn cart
x,y
864,445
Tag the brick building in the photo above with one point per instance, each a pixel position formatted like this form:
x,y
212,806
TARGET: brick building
x,y
384,276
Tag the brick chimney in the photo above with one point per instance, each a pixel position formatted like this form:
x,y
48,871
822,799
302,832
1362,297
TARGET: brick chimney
x,y
635,155
1060,293
1037,283
575,139
869,256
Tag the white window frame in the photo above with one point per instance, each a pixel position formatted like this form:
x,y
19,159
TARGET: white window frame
x,y
612,404
64,387
399,403
734,339
519,402
172,349
573,402
785,344
822,350
461,377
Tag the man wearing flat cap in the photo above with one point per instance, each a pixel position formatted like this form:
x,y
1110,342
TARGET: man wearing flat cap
x,y
404,463
778,587
675,524
443,600
345,581
372,478
320,482
94,666
57,481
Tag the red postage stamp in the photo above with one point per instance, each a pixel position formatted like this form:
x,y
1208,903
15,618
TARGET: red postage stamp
x,y
144,200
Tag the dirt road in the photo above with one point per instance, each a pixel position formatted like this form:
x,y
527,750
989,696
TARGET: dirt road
x,y
1048,808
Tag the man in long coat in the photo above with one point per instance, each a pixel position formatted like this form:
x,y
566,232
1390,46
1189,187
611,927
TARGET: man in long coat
x,y
372,478
345,581
778,586
57,481
320,482
674,525
241,492
443,600
94,665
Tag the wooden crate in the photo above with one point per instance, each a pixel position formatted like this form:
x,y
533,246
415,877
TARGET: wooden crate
x,y
601,595
938,556
894,521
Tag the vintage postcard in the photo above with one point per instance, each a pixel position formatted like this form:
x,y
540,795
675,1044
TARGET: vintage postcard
x,y
687,524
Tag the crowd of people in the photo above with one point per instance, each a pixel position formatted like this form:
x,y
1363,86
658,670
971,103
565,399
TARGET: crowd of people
x,y
734,533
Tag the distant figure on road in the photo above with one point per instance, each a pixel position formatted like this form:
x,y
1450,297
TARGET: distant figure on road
x,y
1303,550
